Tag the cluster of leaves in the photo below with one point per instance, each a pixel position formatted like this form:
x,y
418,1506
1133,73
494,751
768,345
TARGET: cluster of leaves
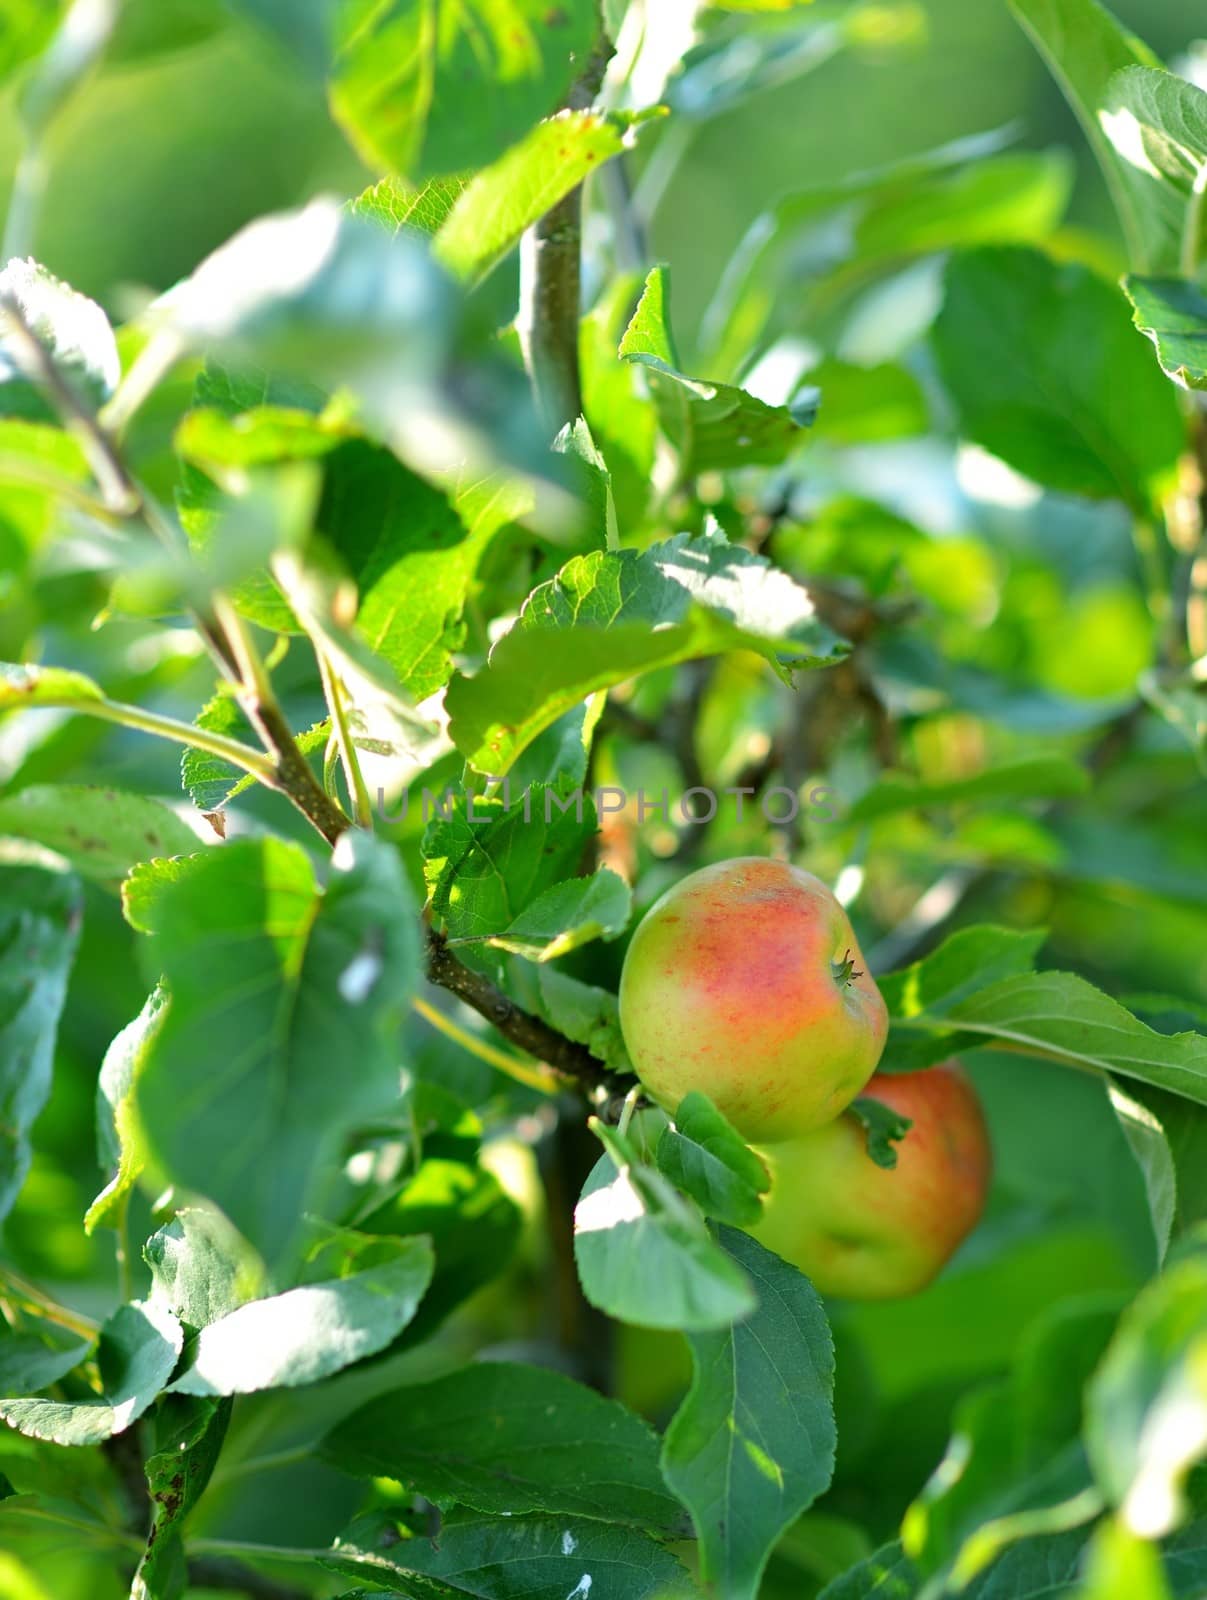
x,y
483,671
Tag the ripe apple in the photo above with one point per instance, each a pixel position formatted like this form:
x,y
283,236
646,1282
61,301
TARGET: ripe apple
x,y
865,1232
745,981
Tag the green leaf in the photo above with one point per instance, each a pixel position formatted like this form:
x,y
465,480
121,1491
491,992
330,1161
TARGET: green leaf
x,y
492,858
308,1333
413,550
42,457
26,30
702,1155
613,614
1047,374
861,405
138,1347
1173,314
753,1444
419,98
713,426
73,329
28,1362
1157,123
646,1258
1015,1465
508,1439
471,1222
103,833
1062,1018
569,915
200,1267
1084,46
503,200
1056,776
585,1013
885,1128
267,978
1168,1137
213,783
119,1138
380,708
887,1574
189,1435
40,913
25,687
965,961
398,205
513,1558
1146,1407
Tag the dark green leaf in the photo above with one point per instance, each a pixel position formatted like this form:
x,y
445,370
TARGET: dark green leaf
x,y
513,1558
29,1363
493,858
510,1439
471,1222
702,1155
753,1444
569,915
40,911
189,1435
138,1347
1047,373
889,1574
270,982
1173,313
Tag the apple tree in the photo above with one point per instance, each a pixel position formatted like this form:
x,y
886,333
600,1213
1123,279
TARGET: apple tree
x,y
398,601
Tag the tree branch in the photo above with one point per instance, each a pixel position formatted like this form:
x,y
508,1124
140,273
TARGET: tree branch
x,y
551,280
570,1060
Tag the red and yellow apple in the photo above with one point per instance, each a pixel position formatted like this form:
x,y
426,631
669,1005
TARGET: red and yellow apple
x,y
745,981
865,1232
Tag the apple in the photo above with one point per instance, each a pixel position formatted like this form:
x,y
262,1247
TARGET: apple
x,y
746,982
865,1232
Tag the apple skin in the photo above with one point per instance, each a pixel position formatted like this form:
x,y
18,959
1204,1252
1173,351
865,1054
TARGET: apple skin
x,y
864,1232
730,987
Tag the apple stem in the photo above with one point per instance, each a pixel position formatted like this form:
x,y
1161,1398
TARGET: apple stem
x,y
845,971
